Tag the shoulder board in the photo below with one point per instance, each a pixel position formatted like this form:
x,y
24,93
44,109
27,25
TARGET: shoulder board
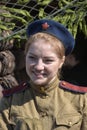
x,y
71,87
9,92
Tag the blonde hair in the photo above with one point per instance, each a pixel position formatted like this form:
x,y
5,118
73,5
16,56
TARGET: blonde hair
x,y
57,44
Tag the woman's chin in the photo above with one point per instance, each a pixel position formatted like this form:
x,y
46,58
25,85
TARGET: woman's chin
x,y
39,82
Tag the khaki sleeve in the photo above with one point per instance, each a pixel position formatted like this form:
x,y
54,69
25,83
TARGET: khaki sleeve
x,y
4,115
84,120
2,123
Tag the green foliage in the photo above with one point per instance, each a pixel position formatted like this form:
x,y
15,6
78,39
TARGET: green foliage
x,y
71,13
15,16
43,2
41,14
23,1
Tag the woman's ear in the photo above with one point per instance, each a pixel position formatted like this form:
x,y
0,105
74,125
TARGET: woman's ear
x,y
62,62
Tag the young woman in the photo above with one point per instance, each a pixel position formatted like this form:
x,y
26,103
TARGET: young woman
x,y
45,102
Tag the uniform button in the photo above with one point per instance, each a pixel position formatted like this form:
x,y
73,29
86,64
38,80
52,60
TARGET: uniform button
x,y
43,114
64,83
43,97
42,89
69,123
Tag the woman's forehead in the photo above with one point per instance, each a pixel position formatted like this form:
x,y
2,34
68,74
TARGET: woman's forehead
x,y
41,45
42,49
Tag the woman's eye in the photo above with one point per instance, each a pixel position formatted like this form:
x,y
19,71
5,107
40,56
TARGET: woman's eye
x,y
31,57
48,60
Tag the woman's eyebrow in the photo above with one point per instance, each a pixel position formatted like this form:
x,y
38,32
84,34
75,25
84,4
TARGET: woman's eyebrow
x,y
30,53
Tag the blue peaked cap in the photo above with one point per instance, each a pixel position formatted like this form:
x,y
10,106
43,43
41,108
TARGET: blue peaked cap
x,y
54,28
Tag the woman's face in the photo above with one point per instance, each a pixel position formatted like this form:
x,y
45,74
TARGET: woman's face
x,y
42,63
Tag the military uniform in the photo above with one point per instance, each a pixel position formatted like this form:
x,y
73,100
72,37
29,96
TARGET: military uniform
x,y
50,108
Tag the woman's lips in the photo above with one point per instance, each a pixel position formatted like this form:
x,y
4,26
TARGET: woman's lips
x,y
39,75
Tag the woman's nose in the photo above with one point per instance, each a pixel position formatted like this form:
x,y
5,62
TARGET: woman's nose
x,y
39,64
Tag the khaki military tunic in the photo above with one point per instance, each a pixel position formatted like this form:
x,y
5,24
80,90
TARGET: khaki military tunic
x,y
38,108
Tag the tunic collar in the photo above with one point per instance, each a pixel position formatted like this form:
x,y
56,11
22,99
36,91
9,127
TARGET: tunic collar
x,y
45,89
